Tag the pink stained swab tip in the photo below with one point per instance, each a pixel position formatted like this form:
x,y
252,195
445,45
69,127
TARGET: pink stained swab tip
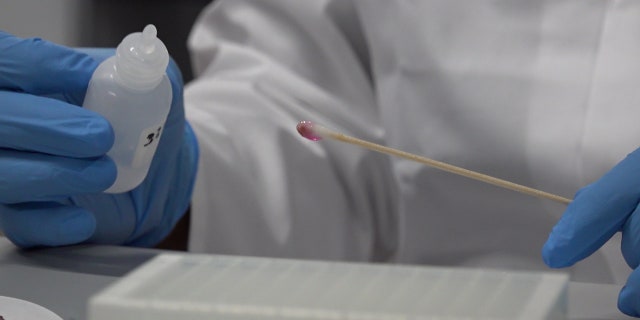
x,y
306,129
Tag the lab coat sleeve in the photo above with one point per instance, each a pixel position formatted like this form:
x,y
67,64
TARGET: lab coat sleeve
x,y
261,67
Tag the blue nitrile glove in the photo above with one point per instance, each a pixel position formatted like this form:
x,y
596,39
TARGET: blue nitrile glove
x,y
52,155
598,211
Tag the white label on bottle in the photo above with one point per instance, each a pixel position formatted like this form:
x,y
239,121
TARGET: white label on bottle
x,y
147,144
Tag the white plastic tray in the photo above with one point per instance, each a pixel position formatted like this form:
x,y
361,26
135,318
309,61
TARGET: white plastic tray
x,y
189,286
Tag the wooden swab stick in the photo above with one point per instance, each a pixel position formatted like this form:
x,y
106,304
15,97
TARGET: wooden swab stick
x,y
317,132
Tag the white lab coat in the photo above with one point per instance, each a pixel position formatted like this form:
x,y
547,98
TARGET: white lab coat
x,y
541,93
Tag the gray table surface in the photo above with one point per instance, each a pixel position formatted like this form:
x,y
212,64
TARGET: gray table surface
x,y
62,279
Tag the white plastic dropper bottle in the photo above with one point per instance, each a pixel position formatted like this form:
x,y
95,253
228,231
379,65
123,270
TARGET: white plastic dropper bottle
x,y
132,91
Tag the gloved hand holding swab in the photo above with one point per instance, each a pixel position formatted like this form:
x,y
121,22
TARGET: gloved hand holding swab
x,y
316,132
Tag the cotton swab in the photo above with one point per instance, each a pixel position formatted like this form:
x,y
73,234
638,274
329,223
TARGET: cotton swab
x,y
316,132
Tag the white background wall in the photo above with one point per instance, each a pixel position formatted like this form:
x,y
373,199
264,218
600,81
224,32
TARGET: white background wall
x,y
54,20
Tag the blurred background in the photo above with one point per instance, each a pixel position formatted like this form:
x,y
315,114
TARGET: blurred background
x,y
103,23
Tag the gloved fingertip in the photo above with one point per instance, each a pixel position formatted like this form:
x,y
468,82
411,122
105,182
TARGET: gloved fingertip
x,y
552,255
626,301
77,227
105,173
98,136
48,224
629,297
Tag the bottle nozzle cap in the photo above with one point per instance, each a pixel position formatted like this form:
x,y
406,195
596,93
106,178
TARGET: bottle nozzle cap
x,y
148,39
142,58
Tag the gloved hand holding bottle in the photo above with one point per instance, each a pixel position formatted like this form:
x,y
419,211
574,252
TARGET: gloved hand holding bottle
x,y
598,211
53,162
